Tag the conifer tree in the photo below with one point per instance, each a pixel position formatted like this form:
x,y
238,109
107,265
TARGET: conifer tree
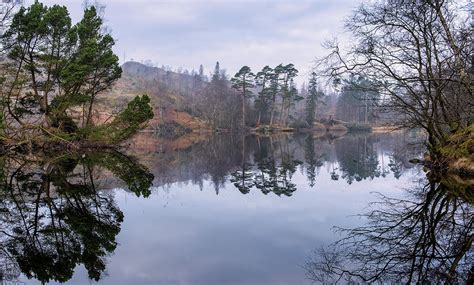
x,y
243,81
263,80
313,97
54,67
288,73
201,72
217,73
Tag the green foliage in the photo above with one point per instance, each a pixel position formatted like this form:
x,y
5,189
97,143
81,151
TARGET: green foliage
x,y
39,42
127,123
288,92
60,104
137,177
138,111
243,80
64,123
459,144
94,66
63,65
82,222
263,80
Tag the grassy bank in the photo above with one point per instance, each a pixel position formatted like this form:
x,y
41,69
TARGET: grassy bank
x,y
458,153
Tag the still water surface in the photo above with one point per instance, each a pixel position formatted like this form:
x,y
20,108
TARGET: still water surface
x,y
227,210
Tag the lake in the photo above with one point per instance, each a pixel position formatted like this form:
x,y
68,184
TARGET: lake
x,y
229,209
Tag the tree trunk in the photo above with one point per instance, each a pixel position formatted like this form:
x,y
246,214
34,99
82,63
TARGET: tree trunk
x,y
89,114
287,115
243,111
243,105
281,110
272,111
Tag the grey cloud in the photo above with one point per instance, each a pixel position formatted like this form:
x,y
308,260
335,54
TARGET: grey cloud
x,y
187,33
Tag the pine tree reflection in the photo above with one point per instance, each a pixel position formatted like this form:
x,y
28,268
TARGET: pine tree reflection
x,y
313,160
54,215
272,172
268,163
358,158
276,159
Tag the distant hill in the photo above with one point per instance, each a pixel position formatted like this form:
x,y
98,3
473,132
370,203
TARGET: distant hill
x,y
139,70
168,91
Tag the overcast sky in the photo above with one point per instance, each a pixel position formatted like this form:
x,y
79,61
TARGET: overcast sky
x,y
187,33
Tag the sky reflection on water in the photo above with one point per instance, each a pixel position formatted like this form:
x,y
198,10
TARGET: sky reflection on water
x,y
185,233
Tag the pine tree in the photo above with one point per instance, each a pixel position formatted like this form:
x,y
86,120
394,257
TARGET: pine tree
x,y
288,72
94,67
263,80
313,97
201,72
55,66
38,42
217,73
274,89
243,81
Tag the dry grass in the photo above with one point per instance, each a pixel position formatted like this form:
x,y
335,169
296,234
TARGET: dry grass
x,y
387,129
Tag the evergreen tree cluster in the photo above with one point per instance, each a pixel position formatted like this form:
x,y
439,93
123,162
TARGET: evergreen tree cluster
x,y
276,93
52,72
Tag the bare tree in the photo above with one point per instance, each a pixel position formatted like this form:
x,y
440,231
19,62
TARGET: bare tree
x,y
426,236
420,53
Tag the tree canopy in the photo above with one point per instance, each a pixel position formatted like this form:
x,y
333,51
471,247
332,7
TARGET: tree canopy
x,y
53,69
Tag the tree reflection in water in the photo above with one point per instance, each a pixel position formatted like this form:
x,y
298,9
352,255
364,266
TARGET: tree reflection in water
x,y
54,215
425,237
269,163
358,158
272,171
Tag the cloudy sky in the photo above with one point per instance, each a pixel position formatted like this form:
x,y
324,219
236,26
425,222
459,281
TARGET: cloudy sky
x,y
187,33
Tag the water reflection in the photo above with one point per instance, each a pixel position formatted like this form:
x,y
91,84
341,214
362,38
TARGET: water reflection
x,y
424,237
269,163
60,212
271,171
54,216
